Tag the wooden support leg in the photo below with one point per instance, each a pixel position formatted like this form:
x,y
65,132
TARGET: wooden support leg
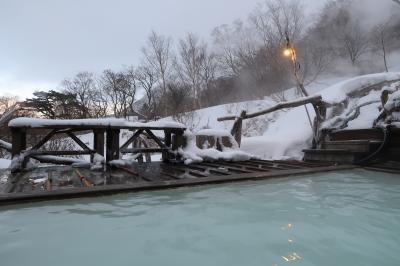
x,y
112,142
98,142
178,141
18,141
18,145
236,131
166,155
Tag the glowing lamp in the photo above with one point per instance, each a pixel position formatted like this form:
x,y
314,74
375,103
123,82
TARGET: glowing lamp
x,y
287,52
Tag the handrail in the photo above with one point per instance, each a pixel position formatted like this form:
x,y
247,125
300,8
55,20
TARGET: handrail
x,y
316,99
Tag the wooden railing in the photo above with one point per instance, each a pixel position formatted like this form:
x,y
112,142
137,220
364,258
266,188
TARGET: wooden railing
x,y
106,140
316,101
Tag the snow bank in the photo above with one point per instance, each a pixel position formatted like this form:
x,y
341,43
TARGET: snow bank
x,y
338,92
285,138
4,163
116,122
361,112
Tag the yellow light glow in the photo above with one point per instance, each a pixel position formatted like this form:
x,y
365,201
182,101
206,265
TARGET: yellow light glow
x,y
287,52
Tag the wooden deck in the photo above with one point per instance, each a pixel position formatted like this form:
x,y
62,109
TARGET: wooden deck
x,y
67,182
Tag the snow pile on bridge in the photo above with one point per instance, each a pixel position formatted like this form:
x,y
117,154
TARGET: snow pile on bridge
x,y
192,154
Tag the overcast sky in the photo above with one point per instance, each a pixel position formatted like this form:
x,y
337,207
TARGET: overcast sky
x,y
44,41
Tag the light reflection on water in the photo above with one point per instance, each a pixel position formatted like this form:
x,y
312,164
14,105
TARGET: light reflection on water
x,y
345,218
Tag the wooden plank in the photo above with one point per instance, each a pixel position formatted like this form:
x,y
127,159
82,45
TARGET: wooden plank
x,y
36,153
84,181
15,198
128,170
209,169
186,169
278,164
144,150
227,166
266,165
249,167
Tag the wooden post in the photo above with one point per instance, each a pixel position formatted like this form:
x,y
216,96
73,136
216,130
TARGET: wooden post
x,y
18,145
166,155
236,131
178,141
112,143
98,142
18,141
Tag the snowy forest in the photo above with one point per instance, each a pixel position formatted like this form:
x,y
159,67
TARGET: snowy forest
x,y
240,61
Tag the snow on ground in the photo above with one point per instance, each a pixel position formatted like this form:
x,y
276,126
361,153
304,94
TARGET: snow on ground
x,y
339,91
4,163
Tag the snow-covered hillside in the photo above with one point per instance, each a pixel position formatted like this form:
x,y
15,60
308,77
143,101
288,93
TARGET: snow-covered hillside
x,y
284,134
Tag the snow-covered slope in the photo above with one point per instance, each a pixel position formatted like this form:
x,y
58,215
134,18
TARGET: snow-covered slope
x,y
284,134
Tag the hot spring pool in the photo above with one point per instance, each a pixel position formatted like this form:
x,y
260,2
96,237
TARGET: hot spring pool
x,y
342,218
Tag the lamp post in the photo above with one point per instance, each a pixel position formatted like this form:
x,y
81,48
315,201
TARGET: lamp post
x,y
290,52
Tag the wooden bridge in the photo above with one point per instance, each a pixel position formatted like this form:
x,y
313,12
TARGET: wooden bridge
x,y
106,138
64,182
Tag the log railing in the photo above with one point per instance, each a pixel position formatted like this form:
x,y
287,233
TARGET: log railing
x,y
316,101
106,141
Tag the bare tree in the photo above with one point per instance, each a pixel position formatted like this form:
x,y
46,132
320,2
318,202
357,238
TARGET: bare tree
x,y
380,38
158,55
120,87
147,79
276,19
354,40
227,41
192,57
7,103
83,86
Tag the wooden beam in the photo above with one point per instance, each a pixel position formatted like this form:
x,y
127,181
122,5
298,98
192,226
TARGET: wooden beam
x,y
132,139
58,153
155,138
78,141
166,155
112,142
18,141
98,141
312,100
44,140
144,150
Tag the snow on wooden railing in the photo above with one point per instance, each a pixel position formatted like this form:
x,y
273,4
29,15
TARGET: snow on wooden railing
x,y
90,123
315,100
302,101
